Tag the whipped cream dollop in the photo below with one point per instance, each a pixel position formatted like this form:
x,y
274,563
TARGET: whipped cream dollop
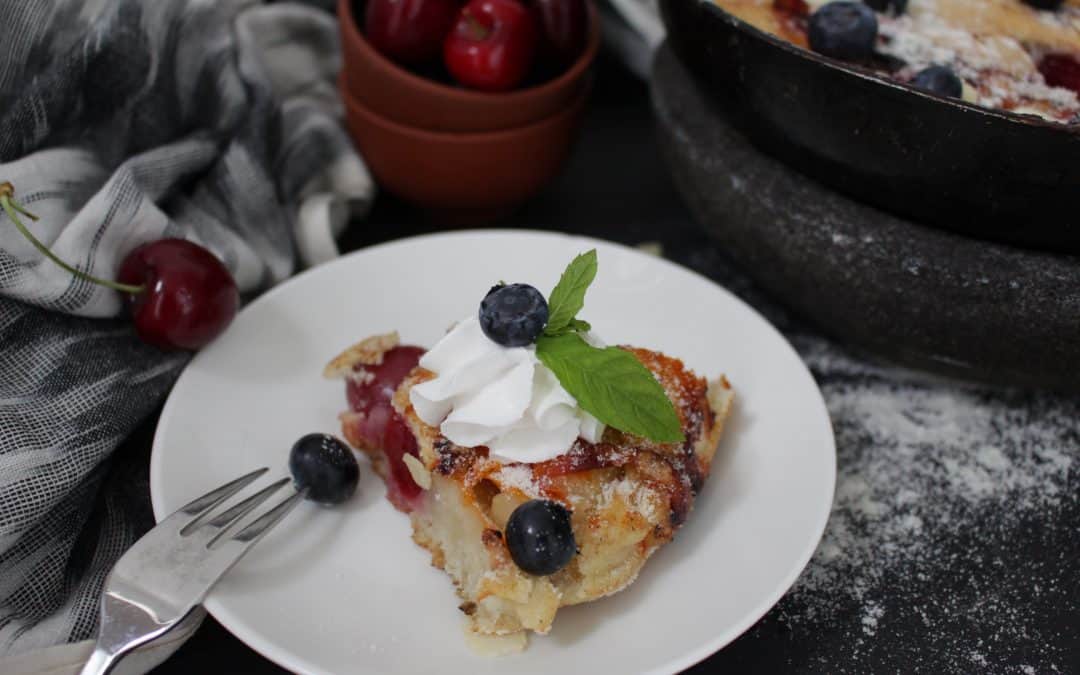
x,y
501,397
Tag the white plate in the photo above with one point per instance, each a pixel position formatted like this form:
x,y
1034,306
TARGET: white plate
x,y
347,591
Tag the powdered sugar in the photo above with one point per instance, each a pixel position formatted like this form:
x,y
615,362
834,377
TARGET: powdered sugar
x,y
517,476
870,618
1001,70
362,376
637,497
927,40
938,488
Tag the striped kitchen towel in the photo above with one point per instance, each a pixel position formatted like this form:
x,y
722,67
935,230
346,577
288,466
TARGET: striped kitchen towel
x,y
122,122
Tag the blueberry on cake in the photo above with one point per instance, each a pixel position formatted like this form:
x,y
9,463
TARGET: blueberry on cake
x,y
539,467
1017,55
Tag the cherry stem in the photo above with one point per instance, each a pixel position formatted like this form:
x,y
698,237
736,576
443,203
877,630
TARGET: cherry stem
x,y
13,209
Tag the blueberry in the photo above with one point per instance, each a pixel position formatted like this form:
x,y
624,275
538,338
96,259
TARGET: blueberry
x,y
514,315
1045,4
325,466
896,7
539,537
938,80
843,30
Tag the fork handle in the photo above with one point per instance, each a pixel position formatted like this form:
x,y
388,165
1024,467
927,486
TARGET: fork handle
x,y
102,661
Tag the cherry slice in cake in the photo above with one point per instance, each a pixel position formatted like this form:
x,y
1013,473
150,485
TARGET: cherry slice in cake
x,y
374,386
797,8
370,392
398,441
1061,70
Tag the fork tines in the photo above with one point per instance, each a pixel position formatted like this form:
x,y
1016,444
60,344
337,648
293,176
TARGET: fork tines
x,y
201,509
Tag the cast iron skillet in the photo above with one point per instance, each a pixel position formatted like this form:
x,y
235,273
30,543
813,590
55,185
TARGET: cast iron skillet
x,y
941,161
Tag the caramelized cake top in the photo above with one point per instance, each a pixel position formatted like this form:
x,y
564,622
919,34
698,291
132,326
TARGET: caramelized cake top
x,y
1010,56
676,469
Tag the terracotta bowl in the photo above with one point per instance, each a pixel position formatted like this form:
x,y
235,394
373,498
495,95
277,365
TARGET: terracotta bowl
x,y
464,177
391,91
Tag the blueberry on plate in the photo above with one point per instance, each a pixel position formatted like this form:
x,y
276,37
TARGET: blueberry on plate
x,y
325,467
539,537
939,80
896,7
514,315
843,30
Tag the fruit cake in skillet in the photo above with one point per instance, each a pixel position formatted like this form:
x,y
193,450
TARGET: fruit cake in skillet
x,y
539,467
1017,55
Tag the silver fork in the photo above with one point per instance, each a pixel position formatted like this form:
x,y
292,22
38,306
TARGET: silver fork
x,y
169,571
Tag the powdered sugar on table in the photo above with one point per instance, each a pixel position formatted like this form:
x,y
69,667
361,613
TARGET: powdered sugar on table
x,y
952,545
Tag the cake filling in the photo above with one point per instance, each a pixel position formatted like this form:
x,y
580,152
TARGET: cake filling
x,y
372,421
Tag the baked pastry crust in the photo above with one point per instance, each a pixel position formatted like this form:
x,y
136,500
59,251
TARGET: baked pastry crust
x,y
627,496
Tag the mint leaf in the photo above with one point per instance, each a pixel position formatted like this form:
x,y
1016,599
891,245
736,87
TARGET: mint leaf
x,y
612,385
575,326
579,326
568,296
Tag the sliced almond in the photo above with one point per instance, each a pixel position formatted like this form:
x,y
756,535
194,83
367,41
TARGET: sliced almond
x,y
495,645
720,396
502,505
418,471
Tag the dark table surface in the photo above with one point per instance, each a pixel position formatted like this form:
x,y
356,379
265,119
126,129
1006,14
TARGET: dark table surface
x,y
984,578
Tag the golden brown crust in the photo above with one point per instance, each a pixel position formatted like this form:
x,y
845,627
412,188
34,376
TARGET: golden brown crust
x,y
761,15
367,352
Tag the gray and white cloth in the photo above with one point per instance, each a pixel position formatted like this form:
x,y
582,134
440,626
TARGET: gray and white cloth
x,y
122,122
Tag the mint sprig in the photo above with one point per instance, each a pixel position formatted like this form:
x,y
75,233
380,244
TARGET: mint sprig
x,y
612,385
575,326
568,296
579,326
608,383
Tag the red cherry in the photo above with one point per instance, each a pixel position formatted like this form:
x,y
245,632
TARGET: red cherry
x,y
409,31
795,7
372,387
1061,70
398,441
564,25
370,391
188,296
492,45
180,295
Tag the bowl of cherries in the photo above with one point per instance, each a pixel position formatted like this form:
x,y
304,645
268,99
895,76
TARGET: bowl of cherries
x,y
465,107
